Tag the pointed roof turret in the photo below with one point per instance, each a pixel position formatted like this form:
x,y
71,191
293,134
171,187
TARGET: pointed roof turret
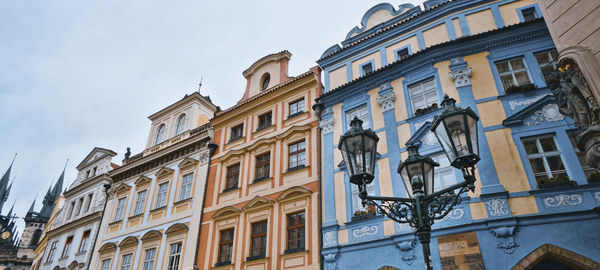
x,y
32,207
58,187
11,210
4,184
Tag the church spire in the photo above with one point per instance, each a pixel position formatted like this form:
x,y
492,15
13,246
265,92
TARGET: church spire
x,y
4,190
32,207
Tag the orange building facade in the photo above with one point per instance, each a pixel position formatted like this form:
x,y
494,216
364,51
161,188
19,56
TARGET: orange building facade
x,y
261,207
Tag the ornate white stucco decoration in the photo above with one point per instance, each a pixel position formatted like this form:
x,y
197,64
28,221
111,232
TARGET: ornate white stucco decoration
x,y
401,227
100,197
329,239
523,102
461,77
365,231
331,260
429,138
506,238
563,200
548,113
455,214
407,249
386,101
204,157
497,207
326,125
597,195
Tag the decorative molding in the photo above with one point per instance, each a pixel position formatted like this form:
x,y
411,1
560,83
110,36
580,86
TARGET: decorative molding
x,y
597,195
461,77
329,239
497,207
331,260
402,227
386,101
513,104
326,125
561,200
506,238
407,248
365,231
548,113
455,214
204,156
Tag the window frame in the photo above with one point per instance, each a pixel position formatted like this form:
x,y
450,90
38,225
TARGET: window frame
x,y
295,247
189,185
225,243
536,12
553,61
423,94
230,183
264,120
67,247
297,153
52,251
160,134
362,68
180,124
296,104
159,200
102,264
173,264
129,263
233,136
146,260
512,72
262,248
84,241
265,165
544,155
120,215
397,51
141,203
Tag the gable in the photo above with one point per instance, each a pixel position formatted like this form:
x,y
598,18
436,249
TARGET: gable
x,y
96,154
542,110
164,171
187,162
257,203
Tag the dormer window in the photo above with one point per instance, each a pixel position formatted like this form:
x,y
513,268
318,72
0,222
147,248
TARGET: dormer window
x,y
160,134
528,14
402,53
366,69
180,124
264,82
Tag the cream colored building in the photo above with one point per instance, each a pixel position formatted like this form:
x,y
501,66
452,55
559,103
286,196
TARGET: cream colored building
x,y
70,240
154,206
40,249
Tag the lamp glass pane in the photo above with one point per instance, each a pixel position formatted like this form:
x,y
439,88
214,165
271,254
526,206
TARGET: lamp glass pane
x,y
444,139
473,131
428,181
370,153
456,129
406,180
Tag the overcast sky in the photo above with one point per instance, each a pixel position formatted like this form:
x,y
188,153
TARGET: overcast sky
x,y
80,74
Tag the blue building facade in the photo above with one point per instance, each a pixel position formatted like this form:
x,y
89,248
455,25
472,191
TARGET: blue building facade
x,y
534,201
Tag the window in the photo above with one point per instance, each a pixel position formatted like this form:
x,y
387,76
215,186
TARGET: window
x,y
180,124
263,166
402,53
161,197
36,237
139,203
258,248
71,209
225,247
444,174
174,256
547,61
265,81
590,173
149,259
105,265
297,107
84,239
89,202
79,206
67,247
120,209
160,134
126,263
297,154
94,171
528,14
264,121
546,162
423,94
233,174
295,232
366,69
87,174
362,112
513,73
236,132
186,186
52,251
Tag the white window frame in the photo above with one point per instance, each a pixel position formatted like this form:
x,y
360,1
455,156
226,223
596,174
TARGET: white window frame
x,y
445,169
418,90
512,72
149,260
161,195
296,107
180,124
356,201
160,134
120,210
174,256
140,201
544,155
362,112
186,186
105,265
126,264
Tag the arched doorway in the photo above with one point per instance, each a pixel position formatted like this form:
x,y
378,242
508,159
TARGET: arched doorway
x,y
553,257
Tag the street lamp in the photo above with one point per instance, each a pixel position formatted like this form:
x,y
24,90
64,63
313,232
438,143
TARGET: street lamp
x,y
456,131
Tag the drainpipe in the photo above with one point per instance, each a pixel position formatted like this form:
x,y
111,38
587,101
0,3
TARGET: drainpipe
x,y
106,188
213,147
318,108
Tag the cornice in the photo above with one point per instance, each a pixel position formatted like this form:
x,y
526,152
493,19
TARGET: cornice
x,y
75,224
87,184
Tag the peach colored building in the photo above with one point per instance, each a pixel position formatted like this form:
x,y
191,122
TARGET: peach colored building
x,y
262,198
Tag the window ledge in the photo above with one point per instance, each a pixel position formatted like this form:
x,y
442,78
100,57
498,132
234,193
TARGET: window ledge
x,y
296,115
297,168
259,129
63,258
424,115
232,140
223,264
227,190
115,222
294,250
182,201
136,215
261,179
80,253
158,209
256,258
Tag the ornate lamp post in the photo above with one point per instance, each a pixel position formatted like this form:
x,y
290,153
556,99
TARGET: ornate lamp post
x,y
456,131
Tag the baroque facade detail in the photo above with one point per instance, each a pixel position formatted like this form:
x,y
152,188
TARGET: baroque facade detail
x,y
326,125
329,239
497,207
562,200
506,238
548,113
365,231
461,77
386,101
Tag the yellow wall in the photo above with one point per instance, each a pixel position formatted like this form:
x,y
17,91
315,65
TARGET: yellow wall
x,y
356,64
491,113
448,86
509,11
482,80
385,179
523,206
389,51
337,77
480,22
507,161
436,35
457,29
340,198
399,105
478,210
376,114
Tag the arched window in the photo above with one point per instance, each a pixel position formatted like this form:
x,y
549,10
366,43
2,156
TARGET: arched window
x,y
36,237
265,81
180,124
160,134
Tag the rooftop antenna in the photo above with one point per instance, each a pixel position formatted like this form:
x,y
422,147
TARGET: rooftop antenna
x,y
200,85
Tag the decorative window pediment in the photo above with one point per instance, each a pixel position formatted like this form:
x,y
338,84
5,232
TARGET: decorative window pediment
x,y
296,132
262,145
151,235
120,188
232,154
129,240
293,193
142,180
187,162
257,203
164,171
225,212
110,246
177,227
542,110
